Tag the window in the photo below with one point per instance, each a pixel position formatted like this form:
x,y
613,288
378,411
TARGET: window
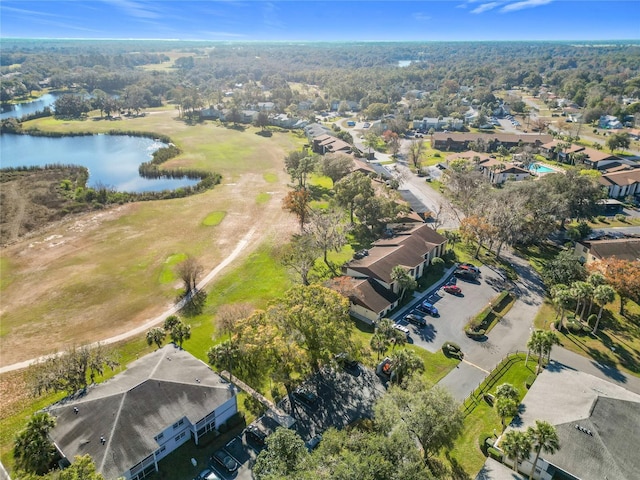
x,y
160,437
178,423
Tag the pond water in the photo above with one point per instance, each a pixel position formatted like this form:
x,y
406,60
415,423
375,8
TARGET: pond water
x,y
20,109
112,160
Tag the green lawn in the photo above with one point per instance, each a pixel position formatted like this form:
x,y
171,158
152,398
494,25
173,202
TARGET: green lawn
x,y
213,219
617,343
483,419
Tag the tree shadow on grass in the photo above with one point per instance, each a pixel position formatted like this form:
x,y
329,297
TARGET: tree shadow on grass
x,y
319,192
457,471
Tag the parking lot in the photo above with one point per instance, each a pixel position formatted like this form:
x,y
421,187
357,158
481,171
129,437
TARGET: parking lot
x,y
454,311
344,396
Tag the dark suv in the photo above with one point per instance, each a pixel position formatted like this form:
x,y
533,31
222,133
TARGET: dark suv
x,y
305,396
416,319
253,434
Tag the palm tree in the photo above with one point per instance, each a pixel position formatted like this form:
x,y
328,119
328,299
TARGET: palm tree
x,y
603,294
379,343
405,281
535,344
516,444
543,437
405,363
562,298
582,291
595,279
506,407
551,339
506,390
180,332
33,451
156,335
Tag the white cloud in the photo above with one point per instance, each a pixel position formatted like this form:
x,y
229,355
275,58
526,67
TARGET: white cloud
x,y
135,8
421,16
513,7
486,7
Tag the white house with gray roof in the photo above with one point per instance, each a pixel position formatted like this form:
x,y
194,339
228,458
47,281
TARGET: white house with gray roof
x,y
597,422
130,422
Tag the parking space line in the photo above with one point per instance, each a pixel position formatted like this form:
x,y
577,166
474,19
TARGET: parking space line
x,y
476,366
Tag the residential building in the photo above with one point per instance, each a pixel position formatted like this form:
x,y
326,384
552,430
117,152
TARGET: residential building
x,y
461,141
588,251
412,247
330,144
498,172
130,422
609,122
597,423
621,183
446,123
369,301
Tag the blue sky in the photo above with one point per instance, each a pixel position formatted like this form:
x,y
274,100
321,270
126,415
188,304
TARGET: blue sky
x,y
257,20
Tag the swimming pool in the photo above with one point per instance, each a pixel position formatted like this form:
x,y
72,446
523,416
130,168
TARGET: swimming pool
x,y
539,168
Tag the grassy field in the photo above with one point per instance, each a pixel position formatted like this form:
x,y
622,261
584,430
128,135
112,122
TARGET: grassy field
x,y
102,273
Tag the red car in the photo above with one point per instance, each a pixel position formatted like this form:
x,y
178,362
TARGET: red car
x,y
453,289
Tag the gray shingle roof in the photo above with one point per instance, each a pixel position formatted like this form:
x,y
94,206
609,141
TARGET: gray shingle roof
x,y
131,408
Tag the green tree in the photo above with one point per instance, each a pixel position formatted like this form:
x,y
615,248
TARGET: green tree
x,y
156,335
179,333
352,189
317,319
582,292
543,438
224,355
405,363
262,120
33,451
563,269
541,342
416,149
506,390
300,255
618,141
603,294
506,408
329,232
429,415
82,468
284,456
336,166
71,370
400,275
379,343
170,322
516,444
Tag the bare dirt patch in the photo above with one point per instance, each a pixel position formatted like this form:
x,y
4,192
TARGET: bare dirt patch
x,y
32,199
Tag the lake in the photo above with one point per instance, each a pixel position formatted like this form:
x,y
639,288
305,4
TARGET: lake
x,y
112,160
20,109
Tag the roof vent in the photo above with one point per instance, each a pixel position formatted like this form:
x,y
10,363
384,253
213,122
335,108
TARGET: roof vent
x,y
102,440
584,430
75,410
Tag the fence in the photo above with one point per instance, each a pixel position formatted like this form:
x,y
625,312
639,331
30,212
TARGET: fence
x,y
470,402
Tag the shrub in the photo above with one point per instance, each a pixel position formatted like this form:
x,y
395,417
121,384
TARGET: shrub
x,y
620,217
495,453
485,440
601,218
529,381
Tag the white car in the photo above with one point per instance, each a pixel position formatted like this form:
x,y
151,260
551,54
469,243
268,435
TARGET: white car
x,y
402,328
